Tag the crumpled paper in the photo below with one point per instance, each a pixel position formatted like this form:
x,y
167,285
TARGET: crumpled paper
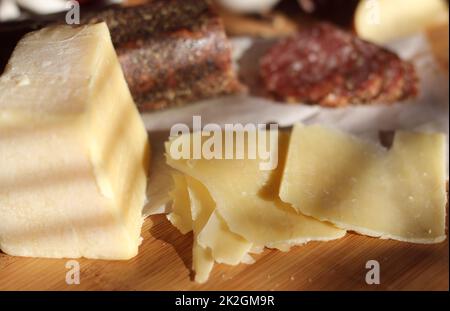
x,y
428,112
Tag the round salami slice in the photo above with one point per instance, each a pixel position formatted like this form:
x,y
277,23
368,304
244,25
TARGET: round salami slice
x,y
331,67
411,85
304,67
393,79
362,77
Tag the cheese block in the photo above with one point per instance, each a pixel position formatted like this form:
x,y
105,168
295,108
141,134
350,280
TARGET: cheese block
x,y
246,196
74,151
359,185
381,21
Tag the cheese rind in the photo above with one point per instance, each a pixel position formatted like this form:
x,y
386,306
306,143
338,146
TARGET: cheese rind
x,y
74,151
357,185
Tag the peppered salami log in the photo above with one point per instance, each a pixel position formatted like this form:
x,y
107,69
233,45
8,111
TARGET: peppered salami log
x,y
171,51
328,66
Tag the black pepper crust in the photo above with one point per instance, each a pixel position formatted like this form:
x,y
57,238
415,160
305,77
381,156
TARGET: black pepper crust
x,y
171,51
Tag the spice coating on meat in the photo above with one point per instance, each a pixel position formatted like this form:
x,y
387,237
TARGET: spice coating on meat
x,y
331,67
171,51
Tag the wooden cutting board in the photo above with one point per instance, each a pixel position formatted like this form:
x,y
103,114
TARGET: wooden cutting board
x,y
164,263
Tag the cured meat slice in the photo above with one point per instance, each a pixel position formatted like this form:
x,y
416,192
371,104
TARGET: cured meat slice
x,y
360,80
172,51
293,67
393,79
411,85
328,66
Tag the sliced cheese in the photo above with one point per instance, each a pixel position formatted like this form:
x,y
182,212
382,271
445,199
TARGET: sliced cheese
x,y
247,198
211,232
202,262
358,185
193,207
180,216
226,247
74,151
201,207
160,181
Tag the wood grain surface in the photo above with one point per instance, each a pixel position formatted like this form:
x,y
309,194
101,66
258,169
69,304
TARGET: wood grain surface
x,y
164,263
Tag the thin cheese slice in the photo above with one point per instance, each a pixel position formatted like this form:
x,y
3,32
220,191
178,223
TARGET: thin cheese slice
x,y
73,149
201,209
160,181
211,233
226,247
194,209
180,216
247,197
358,185
202,262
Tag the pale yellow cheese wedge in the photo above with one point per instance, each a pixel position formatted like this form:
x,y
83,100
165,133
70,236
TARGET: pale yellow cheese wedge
x,y
381,21
73,149
359,185
247,200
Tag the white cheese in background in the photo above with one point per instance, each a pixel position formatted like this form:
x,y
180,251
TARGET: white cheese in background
x,y
44,7
8,10
381,21
248,6
73,149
